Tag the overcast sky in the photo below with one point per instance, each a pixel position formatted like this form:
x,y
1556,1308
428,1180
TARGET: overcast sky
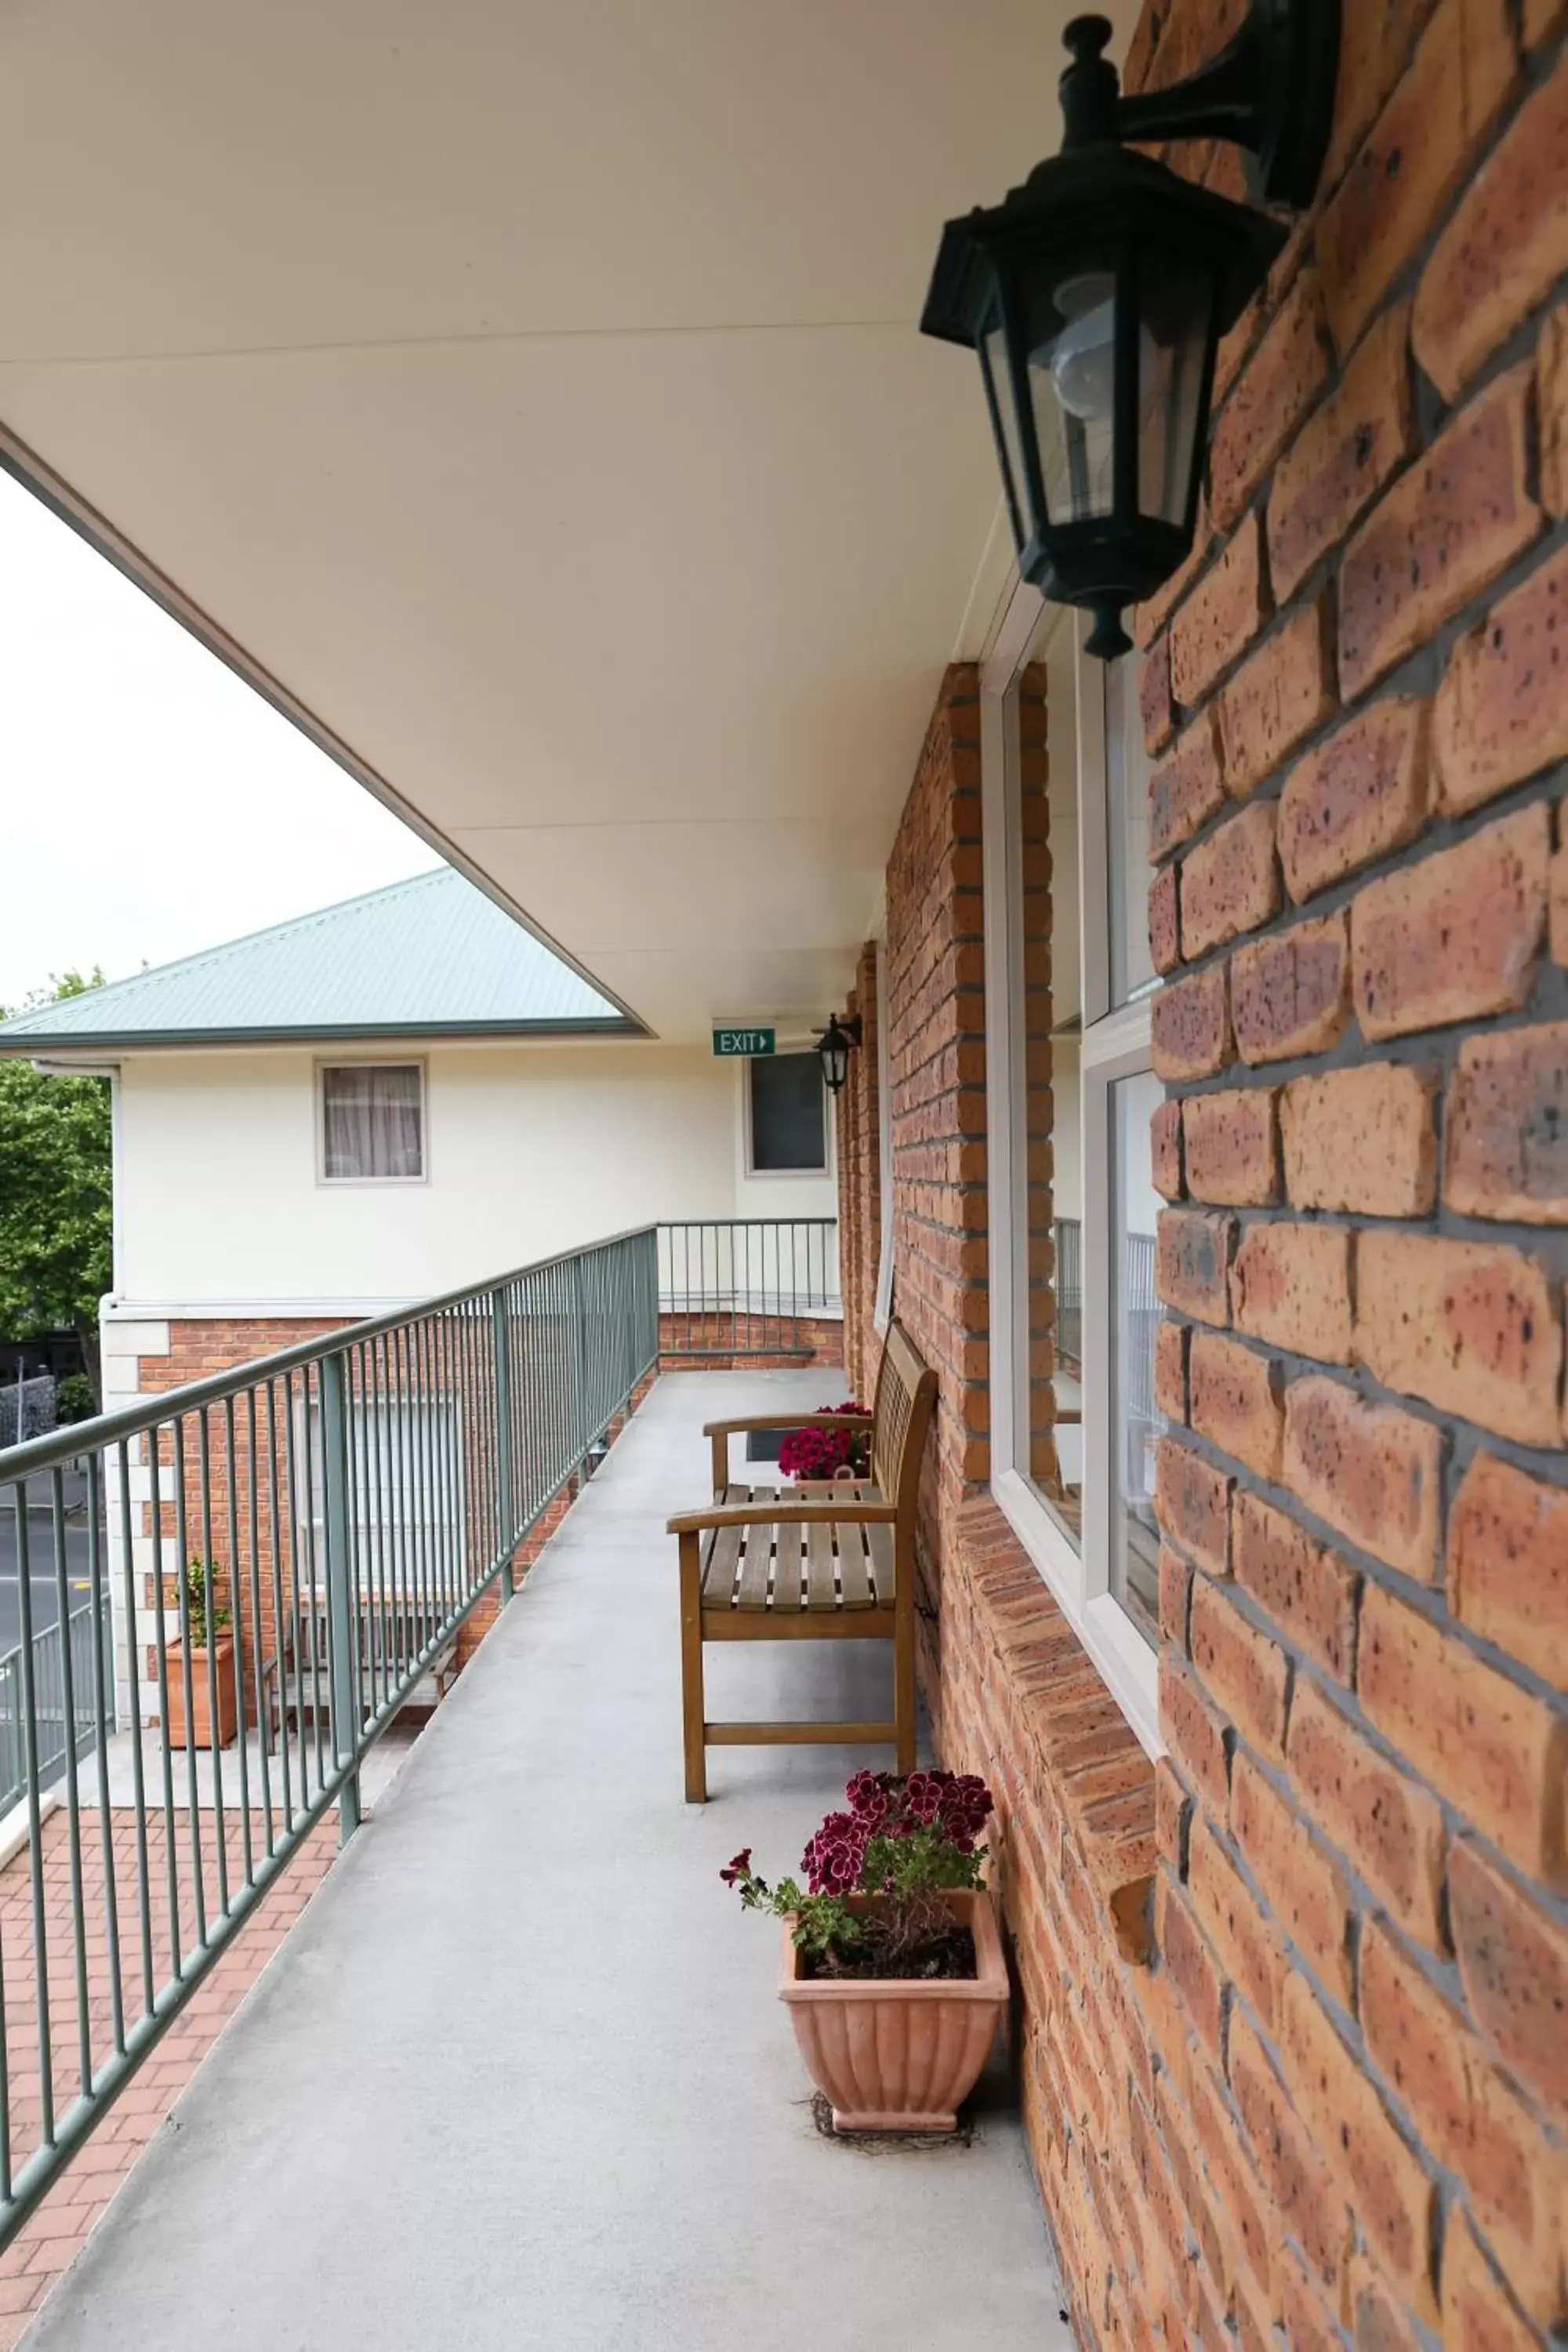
x,y
150,803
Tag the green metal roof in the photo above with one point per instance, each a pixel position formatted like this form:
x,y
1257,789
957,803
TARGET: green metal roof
x,y
429,958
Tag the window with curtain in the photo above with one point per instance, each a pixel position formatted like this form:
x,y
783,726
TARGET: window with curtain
x,y
373,1122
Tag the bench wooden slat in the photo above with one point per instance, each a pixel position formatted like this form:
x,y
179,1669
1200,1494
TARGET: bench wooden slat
x,y
854,1583
724,1557
821,1584
789,1563
881,1545
756,1564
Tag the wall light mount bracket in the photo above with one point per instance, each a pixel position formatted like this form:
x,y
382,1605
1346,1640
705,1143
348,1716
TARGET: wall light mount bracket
x,y
1270,92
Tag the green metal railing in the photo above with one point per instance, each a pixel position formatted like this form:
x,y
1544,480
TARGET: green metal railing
x,y
337,1510
57,1723
737,1287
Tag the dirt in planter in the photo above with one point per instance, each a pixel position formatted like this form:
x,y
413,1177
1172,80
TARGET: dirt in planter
x,y
949,1955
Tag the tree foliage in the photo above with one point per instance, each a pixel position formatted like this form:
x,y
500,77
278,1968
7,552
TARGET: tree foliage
x,y
56,1194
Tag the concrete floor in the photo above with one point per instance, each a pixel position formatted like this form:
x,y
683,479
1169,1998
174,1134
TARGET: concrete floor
x,y
518,2076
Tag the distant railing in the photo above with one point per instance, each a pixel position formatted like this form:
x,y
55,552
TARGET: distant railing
x,y
746,1286
339,1508
1141,1314
59,1722
1068,1235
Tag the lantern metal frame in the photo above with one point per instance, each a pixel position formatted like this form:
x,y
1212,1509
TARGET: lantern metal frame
x,y
834,1045
1101,207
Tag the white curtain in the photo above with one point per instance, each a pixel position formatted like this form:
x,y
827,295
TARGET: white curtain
x,y
373,1121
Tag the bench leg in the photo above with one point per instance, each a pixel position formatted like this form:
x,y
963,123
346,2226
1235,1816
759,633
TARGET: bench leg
x,y
904,1687
691,1702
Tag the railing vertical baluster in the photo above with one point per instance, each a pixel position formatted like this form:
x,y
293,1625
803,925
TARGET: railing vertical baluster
x,y
354,1549
34,1826
380,1627
236,1621
280,1650
103,1724
308,1447
408,1599
501,1325
195,1827
579,1393
424,1480
214,1728
258,1668
450,1504
342,1599
133,1677
419,1509
73,1790
7,2176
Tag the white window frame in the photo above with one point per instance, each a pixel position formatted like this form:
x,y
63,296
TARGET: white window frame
x,y
883,1312
325,1061
1113,1045
784,1175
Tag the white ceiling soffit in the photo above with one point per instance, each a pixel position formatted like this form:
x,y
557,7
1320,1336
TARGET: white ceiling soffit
x,y
535,395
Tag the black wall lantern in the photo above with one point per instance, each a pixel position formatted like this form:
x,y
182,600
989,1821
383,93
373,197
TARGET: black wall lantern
x,y
834,1045
1096,294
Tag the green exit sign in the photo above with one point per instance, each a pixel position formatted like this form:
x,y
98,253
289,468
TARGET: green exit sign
x,y
729,1043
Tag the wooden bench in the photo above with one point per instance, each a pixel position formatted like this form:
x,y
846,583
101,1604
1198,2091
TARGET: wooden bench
x,y
812,1562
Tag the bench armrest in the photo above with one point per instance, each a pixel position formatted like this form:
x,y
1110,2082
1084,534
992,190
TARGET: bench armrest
x,y
797,1514
788,1420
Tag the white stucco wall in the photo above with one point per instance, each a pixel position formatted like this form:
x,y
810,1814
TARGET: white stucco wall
x,y
530,1150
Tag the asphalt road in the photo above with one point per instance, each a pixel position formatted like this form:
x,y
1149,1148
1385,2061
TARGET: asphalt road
x,y
41,1557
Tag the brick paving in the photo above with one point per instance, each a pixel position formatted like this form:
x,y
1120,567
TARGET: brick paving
x,y
56,2232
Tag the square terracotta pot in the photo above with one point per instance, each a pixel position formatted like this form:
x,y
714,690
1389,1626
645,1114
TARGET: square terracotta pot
x,y
900,2053
199,1734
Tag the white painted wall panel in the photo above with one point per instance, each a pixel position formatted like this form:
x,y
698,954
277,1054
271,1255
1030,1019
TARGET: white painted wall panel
x,y
530,1150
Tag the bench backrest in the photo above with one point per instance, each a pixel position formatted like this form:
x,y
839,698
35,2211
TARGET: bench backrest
x,y
903,1406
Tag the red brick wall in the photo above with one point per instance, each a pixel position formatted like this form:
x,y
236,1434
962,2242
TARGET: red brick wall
x,y
1358,693
934,965
1292,2028
720,1341
860,1184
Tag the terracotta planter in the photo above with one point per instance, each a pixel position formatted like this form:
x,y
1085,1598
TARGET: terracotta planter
x,y
900,2053
200,1731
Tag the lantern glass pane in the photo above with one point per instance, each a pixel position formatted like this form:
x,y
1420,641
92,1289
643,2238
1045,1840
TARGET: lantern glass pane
x,y
1005,420
1177,304
1072,386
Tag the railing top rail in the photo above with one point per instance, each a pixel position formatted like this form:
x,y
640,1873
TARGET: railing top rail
x,y
684,1224
62,1445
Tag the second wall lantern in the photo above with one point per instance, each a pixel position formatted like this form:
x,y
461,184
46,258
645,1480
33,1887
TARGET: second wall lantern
x,y
1096,296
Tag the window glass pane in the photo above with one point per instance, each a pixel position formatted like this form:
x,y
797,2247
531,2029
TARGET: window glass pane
x,y
373,1122
789,1130
1172,348
1070,332
1135,1316
1126,830
999,387
1047,717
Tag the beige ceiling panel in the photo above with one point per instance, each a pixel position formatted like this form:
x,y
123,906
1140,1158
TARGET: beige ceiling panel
x,y
535,395
198,175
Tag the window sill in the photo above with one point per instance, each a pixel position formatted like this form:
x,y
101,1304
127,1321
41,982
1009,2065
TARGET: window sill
x,y
1075,1733
1129,1668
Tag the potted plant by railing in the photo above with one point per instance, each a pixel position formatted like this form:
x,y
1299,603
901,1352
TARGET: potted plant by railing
x,y
207,1621
893,1972
828,1452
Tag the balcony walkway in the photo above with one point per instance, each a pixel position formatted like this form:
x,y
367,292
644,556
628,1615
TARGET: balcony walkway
x,y
518,2076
